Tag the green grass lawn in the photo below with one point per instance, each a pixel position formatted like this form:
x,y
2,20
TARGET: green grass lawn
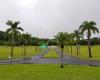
x,y
52,54
48,72
18,51
84,52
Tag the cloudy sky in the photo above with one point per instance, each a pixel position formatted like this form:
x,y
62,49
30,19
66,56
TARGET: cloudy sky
x,y
44,18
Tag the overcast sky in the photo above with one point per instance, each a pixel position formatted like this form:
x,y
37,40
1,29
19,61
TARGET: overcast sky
x,y
44,18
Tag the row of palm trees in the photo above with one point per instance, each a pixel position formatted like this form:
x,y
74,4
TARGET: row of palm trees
x,y
14,31
63,38
87,27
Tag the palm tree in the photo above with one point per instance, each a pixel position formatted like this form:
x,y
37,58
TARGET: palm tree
x,y
71,37
25,39
89,27
17,38
78,35
13,30
67,42
36,40
61,38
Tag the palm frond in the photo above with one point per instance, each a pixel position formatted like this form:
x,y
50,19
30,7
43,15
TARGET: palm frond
x,y
8,30
95,30
9,22
92,23
19,28
16,23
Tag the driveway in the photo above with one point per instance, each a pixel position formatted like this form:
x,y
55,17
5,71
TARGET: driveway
x,y
38,59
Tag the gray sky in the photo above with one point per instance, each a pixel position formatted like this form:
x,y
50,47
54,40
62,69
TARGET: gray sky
x,y
44,18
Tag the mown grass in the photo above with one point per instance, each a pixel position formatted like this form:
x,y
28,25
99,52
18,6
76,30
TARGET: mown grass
x,y
52,54
48,72
18,51
84,52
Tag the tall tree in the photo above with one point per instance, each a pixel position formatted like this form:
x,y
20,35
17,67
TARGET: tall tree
x,y
36,41
78,35
61,38
13,30
89,27
25,39
71,37
67,41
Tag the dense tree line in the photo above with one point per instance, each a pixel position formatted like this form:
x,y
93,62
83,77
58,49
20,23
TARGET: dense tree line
x,y
5,40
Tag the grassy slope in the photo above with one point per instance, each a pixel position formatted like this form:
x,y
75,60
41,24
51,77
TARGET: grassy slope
x,y
51,54
84,52
18,51
48,72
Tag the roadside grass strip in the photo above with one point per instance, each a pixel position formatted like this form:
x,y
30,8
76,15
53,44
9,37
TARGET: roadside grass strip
x,y
18,51
48,72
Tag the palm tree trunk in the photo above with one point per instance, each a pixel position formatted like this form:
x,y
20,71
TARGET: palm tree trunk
x,y
77,48
11,54
25,51
62,47
36,48
71,48
25,48
89,47
67,49
62,64
12,45
22,50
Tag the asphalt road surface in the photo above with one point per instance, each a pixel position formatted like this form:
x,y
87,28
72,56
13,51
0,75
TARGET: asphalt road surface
x,y
38,59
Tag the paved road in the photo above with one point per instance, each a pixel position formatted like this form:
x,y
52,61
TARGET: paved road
x,y
38,59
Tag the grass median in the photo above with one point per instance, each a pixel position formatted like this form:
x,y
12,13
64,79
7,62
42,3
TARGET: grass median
x,y
51,54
